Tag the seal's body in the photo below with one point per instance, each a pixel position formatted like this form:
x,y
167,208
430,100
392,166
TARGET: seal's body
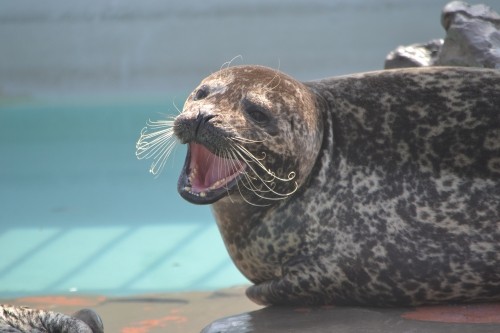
x,y
376,189
20,319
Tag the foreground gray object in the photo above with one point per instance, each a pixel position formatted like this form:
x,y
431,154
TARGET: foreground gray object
x,y
354,320
472,40
25,320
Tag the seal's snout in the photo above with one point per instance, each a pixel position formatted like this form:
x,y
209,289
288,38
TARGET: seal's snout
x,y
202,119
210,170
189,127
184,128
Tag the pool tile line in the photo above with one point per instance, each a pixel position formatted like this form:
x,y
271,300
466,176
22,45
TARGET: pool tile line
x,y
180,244
92,257
30,253
220,266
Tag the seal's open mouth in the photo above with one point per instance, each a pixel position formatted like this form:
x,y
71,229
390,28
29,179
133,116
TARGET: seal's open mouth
x,y
206,177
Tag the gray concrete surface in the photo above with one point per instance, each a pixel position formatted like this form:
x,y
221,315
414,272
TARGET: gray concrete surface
x,y
198,311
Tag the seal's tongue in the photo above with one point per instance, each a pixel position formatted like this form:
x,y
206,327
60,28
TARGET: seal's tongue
x,y
209,171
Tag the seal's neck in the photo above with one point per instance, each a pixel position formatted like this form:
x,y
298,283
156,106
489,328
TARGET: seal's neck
x,y
236,218
243,228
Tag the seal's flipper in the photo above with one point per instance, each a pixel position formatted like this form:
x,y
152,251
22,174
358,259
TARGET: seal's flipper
x,y
294,288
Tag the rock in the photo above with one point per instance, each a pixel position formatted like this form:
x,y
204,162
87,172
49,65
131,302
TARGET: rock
x,y
472,40
415,55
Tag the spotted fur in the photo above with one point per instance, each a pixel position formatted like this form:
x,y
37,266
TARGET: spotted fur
x,y
399,185
14,319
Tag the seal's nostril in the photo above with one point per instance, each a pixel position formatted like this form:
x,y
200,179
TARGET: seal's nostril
x,y
208,117
202,119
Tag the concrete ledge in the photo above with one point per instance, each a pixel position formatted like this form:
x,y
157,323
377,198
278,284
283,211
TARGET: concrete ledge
x,y
191,312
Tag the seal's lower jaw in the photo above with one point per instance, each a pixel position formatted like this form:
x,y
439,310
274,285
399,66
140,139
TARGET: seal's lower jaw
x,y
206,177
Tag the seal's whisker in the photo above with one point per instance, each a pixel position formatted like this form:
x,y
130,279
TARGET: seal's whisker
x,y
222,167
257,190
233,159
157,141
290,177
245,140
232,144
259,163
276,76
161,159
167,123
152,131
179,111
270,188
252,157
148,144
227,64
229,164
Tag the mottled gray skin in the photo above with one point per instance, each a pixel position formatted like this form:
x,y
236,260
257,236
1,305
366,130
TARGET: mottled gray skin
x,y
399,184
14,319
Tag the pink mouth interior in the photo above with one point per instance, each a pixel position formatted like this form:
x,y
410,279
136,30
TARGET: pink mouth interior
x,y
209,171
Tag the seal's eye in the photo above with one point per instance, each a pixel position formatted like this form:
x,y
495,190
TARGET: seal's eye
x,y
201,93
260,115
257,113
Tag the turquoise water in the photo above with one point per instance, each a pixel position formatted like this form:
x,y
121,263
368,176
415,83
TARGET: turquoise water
x,y
79,213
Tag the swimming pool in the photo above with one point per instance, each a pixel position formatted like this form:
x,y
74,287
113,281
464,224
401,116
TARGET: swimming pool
x,y
79,213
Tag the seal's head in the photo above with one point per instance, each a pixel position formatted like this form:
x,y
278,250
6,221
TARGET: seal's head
x,y
249,129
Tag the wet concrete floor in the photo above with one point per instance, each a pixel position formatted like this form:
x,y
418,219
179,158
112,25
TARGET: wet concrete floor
x,y
230,311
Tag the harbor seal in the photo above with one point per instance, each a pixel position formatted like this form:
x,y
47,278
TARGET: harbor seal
x,y
15,319
377,189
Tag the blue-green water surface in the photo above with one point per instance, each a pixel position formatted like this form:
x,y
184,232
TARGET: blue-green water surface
x,y
80,213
